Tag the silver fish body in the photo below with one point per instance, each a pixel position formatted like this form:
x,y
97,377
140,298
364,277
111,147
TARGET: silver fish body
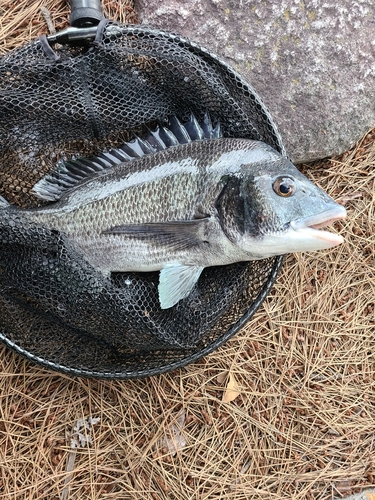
x,y
205,203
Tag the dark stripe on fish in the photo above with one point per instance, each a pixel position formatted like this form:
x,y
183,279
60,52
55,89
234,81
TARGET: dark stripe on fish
x,y
230,207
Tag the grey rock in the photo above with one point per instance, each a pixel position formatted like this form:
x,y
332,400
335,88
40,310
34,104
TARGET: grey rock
x,y
368,494
312,62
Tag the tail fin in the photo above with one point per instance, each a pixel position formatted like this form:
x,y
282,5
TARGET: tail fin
x,y
3,203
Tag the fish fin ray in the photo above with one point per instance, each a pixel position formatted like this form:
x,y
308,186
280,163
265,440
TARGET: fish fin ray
x,y
179,130
75,171
176,281
3,203
194,129
168,137
217,132
155,139
207,127
176,235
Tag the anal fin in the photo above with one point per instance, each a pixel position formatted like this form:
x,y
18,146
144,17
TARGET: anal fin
x,y
3,203
176,281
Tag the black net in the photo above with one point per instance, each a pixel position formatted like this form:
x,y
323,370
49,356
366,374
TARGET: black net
x,y
60,103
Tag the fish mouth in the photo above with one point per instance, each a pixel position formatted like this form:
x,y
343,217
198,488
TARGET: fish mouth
x,y
310,226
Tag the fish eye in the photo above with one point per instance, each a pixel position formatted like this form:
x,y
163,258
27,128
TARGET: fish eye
x,y
284,186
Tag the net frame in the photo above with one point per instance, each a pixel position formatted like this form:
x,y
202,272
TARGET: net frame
x,y
156,59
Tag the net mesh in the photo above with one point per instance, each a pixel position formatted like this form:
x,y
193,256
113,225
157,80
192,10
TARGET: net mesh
x,y
68,101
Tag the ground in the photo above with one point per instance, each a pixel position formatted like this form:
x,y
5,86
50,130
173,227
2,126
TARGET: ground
x,y
284,410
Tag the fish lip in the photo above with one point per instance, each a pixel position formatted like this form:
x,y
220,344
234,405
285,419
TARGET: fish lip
x,y
310,226
322,219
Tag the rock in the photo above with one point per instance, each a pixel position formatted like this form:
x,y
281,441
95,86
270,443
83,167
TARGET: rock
x,y
312,62
368,494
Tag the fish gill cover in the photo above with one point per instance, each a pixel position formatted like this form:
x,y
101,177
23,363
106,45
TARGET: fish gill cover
x,y
62,102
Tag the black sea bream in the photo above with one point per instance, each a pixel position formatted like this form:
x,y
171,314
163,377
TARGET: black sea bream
x,y
189,199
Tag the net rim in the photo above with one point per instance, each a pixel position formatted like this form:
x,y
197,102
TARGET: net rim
x,y
202,52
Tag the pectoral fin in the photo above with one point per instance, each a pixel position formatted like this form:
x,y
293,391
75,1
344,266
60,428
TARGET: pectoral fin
x,y
177,235
176,281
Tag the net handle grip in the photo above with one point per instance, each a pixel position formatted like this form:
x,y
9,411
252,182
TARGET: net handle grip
x,y
85,13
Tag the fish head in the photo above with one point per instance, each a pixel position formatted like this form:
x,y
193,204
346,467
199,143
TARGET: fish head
x,y
273,209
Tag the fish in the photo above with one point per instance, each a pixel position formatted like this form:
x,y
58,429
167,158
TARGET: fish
x,y
180,199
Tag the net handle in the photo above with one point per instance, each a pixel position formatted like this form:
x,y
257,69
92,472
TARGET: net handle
x,y
85,13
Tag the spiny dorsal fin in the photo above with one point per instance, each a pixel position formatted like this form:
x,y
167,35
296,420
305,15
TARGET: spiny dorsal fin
x,y
74,171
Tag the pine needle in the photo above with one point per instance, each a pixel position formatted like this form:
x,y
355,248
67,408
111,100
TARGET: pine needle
x,y
302,426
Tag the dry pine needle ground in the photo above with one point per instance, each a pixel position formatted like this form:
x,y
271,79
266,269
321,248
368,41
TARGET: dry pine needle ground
x,y
285,410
